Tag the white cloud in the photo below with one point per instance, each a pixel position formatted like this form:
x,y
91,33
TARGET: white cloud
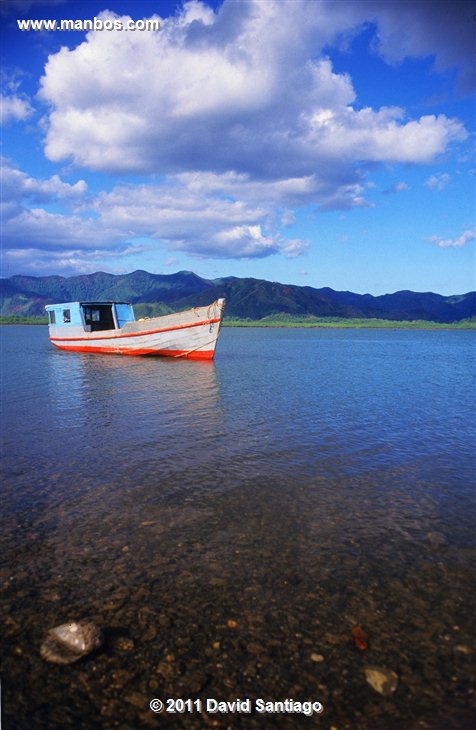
x,y
26,225
398,187
18,185
240,117
244,240
438,182
245,89
328,194
371,136
70,261
443,31
190,213
200,214
14,108
459,242
36,227
294,248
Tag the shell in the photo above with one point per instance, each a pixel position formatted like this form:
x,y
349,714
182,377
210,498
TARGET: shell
x,y
69,642
382,680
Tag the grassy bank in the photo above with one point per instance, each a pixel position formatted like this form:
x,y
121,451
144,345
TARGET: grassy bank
x,y
289,321
340,322
18,319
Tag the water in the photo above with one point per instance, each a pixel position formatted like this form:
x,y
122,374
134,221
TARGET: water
x,y
229,522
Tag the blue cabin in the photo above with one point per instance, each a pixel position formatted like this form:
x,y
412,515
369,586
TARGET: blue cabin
x,y
90,316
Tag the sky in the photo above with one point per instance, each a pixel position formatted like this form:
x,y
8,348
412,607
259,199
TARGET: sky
x,y
310,142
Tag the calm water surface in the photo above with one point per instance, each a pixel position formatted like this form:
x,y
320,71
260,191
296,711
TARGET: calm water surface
x,y
229,524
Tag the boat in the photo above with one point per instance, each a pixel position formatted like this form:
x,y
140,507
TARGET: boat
x,y
111,327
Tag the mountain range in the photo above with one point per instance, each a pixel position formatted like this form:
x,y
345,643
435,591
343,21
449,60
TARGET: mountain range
x,y
246,298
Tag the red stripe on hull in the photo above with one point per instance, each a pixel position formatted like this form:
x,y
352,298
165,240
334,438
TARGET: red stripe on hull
x,y
185,354
138,334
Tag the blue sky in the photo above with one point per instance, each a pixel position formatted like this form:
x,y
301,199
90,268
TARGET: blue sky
x,y
314,142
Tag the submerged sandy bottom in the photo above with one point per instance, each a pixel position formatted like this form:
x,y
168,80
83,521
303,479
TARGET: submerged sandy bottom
x,y
249,593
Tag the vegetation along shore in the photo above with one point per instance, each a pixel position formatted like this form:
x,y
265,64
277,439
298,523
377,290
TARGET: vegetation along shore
x,y
305,322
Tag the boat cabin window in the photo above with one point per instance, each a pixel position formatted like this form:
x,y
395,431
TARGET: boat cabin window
x,y
52,317
66,315
99,317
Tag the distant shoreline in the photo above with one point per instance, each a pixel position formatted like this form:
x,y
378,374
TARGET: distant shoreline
x,y
369,324
305,323
337,323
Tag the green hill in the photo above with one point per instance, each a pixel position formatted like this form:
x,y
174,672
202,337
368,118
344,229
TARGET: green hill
x,y
246,298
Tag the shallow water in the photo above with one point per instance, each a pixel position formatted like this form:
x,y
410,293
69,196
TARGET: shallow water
x,y
229,524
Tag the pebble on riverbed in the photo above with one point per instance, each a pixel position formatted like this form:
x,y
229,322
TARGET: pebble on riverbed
x,y
437,540
382,680
69,642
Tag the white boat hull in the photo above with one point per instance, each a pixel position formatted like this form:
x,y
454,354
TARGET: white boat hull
x,y
192,334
